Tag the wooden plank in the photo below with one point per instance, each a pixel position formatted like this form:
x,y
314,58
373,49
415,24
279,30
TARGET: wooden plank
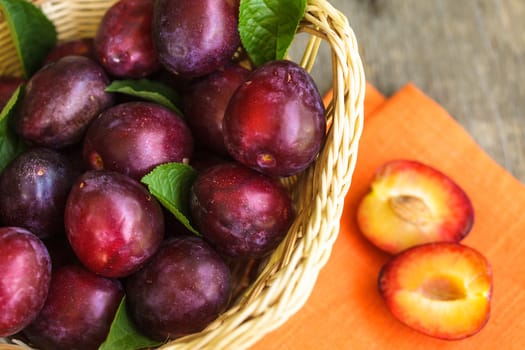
x,y
468,55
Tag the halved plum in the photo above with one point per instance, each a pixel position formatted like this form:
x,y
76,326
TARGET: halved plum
x,y
411,203
443,289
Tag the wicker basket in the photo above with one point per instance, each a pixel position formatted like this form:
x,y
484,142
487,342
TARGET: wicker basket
x,y
287,277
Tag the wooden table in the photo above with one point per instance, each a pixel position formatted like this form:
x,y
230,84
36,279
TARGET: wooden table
x,y
468,55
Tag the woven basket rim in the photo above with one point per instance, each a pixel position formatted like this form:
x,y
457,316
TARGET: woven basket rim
x,y
290,273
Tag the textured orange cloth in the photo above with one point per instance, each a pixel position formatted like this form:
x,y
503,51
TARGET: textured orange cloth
x,y
345,310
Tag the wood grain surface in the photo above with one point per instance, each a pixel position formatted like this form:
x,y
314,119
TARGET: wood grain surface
x,y
468,55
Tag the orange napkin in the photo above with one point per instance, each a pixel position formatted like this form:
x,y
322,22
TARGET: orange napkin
x,y
345,310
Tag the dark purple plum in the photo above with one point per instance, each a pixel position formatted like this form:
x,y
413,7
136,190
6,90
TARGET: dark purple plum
x,y
205,101
25,274
60,100
78,311
275,122
124,43
8,85
240,211
75,47
183,288
134,137
194,38
113,224
34,189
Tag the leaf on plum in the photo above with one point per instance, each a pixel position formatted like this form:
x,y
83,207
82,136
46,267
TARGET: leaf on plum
x,y
267,27
170,183
34,35
148,90
10,144
124,335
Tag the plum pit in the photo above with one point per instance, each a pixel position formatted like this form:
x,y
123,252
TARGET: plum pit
x,y
443,288
411,209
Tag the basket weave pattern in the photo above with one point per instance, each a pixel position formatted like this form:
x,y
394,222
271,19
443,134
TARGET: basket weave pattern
x,y
287,277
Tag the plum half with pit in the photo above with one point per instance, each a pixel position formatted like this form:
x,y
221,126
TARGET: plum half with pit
x,y
123,42
113,223
275,121
34,189
25,275
241,212
78,311
134,137
441,289
411,203
184,287
60,100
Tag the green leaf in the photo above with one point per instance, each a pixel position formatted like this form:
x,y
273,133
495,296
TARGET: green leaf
x,y
10,144
149,90
124,335
170,183
34,35
267,27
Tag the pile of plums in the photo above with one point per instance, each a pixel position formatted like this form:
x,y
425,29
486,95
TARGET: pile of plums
x,y
78,228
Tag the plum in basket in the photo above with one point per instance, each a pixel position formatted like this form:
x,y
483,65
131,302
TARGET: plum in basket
x,y
184,287
113,223
123,42
134,137
205,101
78,311
240,211
60,100
34,189
275,121
194,38
25,274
